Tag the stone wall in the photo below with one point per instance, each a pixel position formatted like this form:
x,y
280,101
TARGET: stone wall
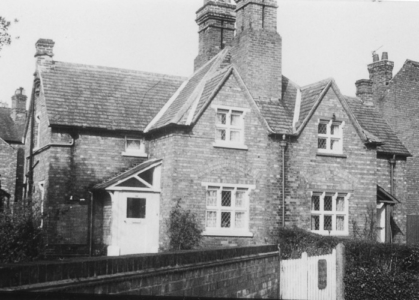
x,y
251,272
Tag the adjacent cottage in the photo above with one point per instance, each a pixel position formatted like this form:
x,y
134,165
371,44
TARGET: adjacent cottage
x,y
111,151
12,122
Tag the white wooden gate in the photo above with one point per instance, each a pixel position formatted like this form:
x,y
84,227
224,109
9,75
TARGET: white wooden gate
x,y
311,278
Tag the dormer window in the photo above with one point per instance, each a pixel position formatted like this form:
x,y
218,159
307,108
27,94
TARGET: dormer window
x,y
329,136
134,147
229,128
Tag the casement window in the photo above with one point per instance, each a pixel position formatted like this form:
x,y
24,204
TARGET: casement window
x,y
134,147
329,213
329,136
227,210
229,127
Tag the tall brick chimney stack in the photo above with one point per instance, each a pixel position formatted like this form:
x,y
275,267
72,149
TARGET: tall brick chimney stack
x,y
44,51
19,106
216,20
257,48
364,91
381,72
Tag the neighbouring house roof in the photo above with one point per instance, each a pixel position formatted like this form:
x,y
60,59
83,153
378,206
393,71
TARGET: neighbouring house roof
x,y
385,197
375,127
106,98
9,130
127,173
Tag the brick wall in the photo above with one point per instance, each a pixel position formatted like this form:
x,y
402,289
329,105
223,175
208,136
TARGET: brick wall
x,y
400,190
307,172
250,272
400,107
189,159
8,155
257,48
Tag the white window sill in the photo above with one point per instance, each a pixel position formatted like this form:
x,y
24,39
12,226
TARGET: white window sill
x,y
220,232
331,154
134,154
331,233
230,146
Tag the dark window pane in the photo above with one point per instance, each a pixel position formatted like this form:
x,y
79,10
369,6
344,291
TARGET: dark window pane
x,y
327,222
225,220
315,203
132,182
322,144
315,223
147,176
136,208
327,203
322,128
225,198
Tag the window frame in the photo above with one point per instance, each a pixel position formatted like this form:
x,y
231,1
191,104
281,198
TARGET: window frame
x,y
329,137
219,230
227,143
334,213
136,153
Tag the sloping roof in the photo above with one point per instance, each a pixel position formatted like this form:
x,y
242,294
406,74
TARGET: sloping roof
x,y
9,131
131,171
372,122
386,197
107,98
193,94
192,98
309,96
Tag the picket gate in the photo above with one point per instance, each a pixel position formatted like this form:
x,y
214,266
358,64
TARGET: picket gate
x,y
314,278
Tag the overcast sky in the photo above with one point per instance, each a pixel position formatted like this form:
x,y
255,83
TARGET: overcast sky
x,y
321,39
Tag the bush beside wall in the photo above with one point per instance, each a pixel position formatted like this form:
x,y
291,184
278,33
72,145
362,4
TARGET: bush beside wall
x,y
373,270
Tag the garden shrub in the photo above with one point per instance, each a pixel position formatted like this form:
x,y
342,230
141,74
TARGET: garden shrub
x,y
21,237
183,229
373,270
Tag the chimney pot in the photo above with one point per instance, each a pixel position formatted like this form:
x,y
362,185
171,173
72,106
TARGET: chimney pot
x,y
384,56
375,57
19,105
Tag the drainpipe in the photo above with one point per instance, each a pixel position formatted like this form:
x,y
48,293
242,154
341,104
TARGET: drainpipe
x,y
389,209
91,225
283,145
32,125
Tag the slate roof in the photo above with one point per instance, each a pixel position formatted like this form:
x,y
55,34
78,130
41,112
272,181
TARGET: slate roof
x,y
136,169
9,131
309,96
371,120
107,98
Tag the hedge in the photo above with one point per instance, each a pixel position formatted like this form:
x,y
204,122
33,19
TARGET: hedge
x,y
373,270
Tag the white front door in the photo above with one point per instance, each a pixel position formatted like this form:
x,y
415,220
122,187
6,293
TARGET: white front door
x,y
381,223
138,230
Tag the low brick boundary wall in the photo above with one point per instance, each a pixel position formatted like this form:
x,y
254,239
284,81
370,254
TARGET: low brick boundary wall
x,y
233,272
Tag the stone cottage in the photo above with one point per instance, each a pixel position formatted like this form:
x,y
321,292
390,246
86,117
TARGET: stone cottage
x,y
240,144
12,122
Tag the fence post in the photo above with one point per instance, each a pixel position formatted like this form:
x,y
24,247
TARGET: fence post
x,y
279,271
340,271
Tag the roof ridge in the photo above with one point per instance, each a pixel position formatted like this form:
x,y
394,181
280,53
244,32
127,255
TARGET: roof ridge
x,y
324,81
120,70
